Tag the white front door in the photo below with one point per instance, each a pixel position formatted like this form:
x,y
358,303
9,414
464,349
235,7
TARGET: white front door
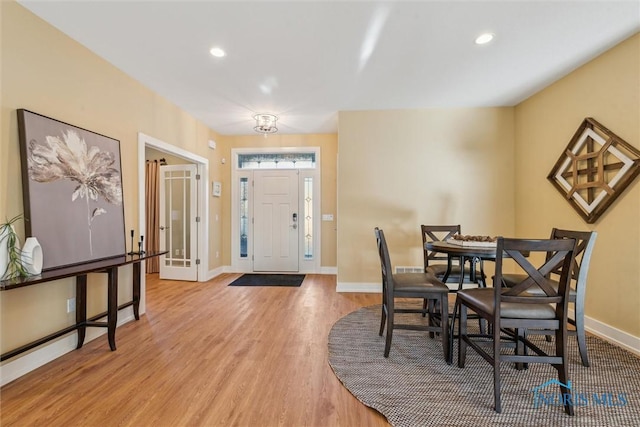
x,y
276,220
178,222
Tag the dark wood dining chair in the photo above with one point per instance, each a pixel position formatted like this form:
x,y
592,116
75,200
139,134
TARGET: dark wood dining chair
x,y
579,271
436,263
423,286
512,311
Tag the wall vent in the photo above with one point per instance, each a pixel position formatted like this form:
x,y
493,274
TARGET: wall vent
x,y
409,270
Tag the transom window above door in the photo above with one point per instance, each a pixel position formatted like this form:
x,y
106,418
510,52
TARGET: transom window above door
x,y
277,161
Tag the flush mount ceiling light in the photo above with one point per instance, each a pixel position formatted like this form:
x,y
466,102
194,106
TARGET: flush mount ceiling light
x,y
484,38
217,52
265,123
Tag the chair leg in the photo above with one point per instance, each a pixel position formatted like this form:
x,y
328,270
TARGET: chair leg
x,y
496,369
563,371
462,333
431,305
452,328
521,348
424,306
496,385
387,344
383,319
444,327
582,337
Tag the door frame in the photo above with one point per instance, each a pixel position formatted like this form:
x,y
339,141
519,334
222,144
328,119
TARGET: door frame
x,y
241,265
203,203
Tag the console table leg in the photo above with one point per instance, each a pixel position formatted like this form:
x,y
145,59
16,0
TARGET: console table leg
x,y
112,306
81,308
137,274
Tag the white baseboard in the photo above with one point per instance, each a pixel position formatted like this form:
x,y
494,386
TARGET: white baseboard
x,y
329,270
613,335
359,287
21,365
216,272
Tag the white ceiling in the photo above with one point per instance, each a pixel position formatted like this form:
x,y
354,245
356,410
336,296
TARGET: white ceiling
x,y
307,60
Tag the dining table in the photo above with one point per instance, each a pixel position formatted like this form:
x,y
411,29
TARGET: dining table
x,y
472,252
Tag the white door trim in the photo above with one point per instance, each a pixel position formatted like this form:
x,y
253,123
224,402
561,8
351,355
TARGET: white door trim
x,y
203,202
245,265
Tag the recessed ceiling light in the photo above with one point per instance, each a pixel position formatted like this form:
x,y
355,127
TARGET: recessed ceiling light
x,y
484,38
217,52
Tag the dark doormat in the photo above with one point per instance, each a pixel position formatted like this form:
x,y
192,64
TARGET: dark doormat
x,y
268,280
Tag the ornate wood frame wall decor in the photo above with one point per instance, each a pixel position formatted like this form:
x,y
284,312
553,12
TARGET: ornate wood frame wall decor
x,y
595,168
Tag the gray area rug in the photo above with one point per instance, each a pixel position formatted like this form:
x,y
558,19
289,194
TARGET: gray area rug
x,y
415,387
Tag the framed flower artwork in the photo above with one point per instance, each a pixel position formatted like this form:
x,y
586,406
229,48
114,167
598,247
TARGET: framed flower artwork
x,y
594,169
72,191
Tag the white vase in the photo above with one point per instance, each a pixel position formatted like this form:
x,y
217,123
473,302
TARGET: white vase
x,y
4,251
32,256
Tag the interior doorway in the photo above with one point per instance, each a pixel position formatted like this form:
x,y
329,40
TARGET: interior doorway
x,y
202,167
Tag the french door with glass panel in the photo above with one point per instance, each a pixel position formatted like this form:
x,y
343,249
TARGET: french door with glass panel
x,y
276,220
178,222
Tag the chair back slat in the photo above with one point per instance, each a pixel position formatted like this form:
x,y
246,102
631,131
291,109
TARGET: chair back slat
x,y
436,233
559,256
538,276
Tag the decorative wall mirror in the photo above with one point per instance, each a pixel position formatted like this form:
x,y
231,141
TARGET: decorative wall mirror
x,y
594,169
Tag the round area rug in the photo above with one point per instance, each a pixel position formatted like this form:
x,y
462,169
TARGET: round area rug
x,y
415,387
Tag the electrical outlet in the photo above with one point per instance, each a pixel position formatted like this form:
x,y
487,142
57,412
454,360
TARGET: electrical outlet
x,y
177,252
217,254
71,305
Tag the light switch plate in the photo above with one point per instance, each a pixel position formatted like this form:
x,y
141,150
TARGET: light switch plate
x,y
216,189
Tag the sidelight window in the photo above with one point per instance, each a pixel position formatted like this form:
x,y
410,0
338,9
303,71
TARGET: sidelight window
x,y
244,216
308,217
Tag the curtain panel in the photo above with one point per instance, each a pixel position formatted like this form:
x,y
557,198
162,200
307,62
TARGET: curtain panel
x,y
152,190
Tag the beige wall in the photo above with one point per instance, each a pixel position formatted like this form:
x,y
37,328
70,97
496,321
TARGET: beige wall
x,y
46,72
153,154
607,89
328,144
400,169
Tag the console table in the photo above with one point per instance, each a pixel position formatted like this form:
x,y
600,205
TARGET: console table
x,y
107,266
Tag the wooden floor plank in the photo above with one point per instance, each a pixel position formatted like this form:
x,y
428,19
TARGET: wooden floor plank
x,y
204,354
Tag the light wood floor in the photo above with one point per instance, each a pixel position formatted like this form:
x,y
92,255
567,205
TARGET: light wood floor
x,y
204,354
